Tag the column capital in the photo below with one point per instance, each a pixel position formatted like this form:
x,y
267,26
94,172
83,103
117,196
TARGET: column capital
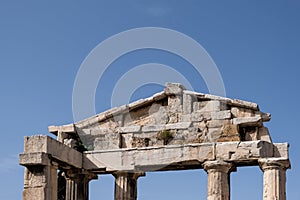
x,y
274,163
134,175
218,165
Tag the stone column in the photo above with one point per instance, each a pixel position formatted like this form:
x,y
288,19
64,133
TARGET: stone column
x,y
126,185
71,189
274,170
40,181
218,179
77,184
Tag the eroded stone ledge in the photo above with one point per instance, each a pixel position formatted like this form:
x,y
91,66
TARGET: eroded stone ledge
x,y
39,144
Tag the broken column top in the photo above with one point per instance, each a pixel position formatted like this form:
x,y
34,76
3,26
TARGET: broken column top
x,y
174,116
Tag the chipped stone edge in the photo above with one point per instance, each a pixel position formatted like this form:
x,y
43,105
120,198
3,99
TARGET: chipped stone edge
x,y
233,102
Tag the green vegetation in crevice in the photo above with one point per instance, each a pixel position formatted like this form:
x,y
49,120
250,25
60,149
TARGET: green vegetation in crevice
x,y
80,147
165,135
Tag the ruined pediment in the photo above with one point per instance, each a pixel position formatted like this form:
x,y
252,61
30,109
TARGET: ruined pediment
x,y
175,129
175,116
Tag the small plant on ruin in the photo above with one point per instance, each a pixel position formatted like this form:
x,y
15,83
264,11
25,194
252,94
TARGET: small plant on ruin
x,y
80,147
165,135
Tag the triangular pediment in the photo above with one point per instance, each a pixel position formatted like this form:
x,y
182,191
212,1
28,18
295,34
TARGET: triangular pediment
x,y
175,116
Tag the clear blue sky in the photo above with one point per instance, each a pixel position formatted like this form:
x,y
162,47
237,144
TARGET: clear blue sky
x,y
255,45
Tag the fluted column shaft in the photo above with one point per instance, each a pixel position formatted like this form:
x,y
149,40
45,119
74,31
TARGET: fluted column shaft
x,y
126,185
71,189
218,185
274,178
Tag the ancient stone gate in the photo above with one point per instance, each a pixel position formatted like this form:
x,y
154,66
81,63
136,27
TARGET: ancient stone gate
x,y
175,129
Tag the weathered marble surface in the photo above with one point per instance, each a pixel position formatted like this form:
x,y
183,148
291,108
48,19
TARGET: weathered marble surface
x,y
175,129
